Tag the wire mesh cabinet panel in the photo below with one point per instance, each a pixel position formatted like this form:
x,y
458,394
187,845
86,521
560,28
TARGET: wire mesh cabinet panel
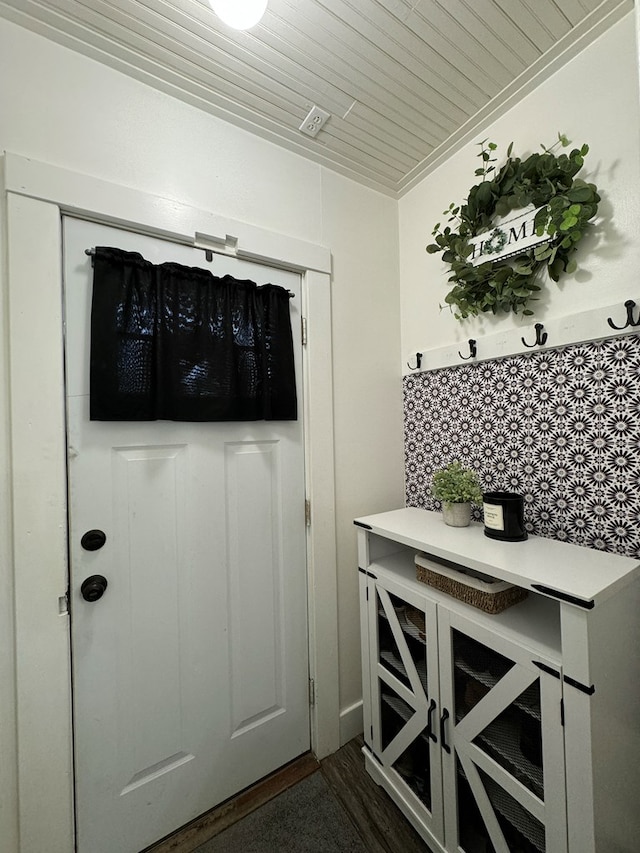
x,y
403,679
502,740
464,726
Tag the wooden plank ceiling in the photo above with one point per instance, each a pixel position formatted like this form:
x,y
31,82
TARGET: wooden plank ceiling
x,y
403,80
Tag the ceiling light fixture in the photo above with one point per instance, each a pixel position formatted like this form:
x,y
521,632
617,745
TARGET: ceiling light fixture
x,y
239,14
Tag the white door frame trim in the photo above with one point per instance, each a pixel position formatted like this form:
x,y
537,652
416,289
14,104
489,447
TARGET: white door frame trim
x,y
34,198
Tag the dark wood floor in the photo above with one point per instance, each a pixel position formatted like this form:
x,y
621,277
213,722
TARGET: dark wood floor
x,y
377,819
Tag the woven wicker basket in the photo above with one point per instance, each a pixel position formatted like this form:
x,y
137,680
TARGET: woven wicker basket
x,y
481,591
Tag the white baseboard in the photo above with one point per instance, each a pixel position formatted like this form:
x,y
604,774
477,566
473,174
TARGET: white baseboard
x,y
351,722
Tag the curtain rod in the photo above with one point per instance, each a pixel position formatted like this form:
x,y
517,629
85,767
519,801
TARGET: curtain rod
x,y
91,253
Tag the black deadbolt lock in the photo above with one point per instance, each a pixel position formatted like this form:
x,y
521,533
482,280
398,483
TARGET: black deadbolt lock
x,y
93,588
93,540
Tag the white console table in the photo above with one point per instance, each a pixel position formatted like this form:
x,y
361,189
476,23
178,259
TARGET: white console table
x,y
518,731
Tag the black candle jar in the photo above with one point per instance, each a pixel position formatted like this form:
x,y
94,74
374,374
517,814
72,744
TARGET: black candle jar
x,y
504,516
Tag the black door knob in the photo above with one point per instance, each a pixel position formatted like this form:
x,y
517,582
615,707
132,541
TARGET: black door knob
x,y
93,588
93,540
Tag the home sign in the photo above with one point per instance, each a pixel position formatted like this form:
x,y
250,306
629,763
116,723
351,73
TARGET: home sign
x,y
510,238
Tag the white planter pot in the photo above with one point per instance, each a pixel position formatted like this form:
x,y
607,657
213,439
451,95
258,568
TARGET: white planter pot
x,y
456,515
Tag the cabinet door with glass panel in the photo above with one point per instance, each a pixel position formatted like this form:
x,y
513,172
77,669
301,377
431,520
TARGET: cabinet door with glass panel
x,y
404,696
501,733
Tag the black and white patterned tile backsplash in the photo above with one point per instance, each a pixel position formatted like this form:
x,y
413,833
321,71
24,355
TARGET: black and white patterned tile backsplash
x,y
560,427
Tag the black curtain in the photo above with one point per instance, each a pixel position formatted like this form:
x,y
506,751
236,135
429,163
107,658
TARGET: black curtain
x,y
170,342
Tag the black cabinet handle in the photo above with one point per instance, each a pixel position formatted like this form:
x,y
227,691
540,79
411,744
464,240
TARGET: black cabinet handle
x,y
430,731
443,720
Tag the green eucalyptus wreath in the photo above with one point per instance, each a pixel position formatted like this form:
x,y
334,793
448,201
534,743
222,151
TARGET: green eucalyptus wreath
x,y
546,181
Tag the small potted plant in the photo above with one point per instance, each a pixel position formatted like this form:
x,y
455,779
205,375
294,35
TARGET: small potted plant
x,y
456,488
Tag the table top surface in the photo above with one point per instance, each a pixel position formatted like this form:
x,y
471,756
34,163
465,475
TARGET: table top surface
x,y
577,572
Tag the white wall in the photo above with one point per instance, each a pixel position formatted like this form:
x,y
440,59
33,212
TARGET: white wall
x,y
67,110
593,99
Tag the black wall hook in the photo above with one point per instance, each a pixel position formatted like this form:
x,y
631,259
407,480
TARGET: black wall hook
x,y
418,362
541,337
629,305
472,350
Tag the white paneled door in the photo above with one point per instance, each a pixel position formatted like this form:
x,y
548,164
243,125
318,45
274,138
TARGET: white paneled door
x,y
190,671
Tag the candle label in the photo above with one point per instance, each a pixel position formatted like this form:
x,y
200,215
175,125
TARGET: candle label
x,y
493,516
